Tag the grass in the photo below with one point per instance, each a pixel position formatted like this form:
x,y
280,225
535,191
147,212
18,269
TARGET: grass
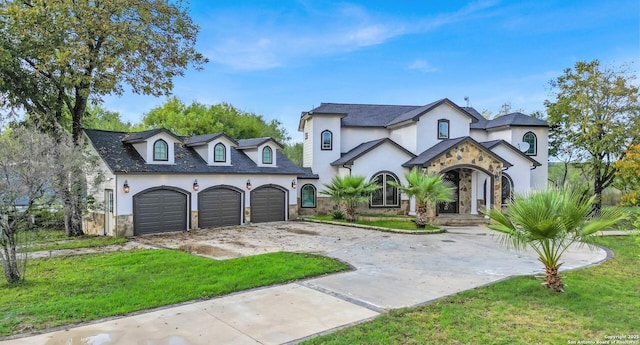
x,y
66,290
388,224
599,301
84,242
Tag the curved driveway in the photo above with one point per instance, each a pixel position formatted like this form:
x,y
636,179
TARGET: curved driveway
x,y
391,271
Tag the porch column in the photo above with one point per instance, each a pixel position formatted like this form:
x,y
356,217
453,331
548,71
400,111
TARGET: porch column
x,y
489,198
474,192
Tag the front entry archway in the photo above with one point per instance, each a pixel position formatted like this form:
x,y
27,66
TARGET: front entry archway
x,y
452,177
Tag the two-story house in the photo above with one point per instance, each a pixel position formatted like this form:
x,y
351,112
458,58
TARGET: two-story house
x,y
155,181
486,160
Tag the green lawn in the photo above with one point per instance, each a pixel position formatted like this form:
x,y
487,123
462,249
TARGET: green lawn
x,y
84,242
401,224
67,290
599,301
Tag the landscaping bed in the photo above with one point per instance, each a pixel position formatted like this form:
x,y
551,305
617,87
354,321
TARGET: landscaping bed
x,y
389,224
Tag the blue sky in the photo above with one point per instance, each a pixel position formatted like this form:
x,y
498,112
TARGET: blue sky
x,y
278,58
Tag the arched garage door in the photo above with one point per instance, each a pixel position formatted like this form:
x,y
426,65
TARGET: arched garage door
x,y
219,206
268,204
159,209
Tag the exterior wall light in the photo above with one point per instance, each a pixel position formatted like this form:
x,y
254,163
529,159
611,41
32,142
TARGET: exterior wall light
x,y
293,184
125,187
248,184
195,185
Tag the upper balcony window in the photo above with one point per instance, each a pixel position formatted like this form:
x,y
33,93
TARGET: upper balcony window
x,y
532,140
267,155
160,150
219,153
327,140
443,129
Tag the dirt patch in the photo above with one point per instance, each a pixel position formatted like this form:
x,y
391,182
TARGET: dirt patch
x,y
302,232
206,250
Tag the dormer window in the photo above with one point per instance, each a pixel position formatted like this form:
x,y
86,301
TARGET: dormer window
x,y
219,153
160,150
267,155
443,129
327,140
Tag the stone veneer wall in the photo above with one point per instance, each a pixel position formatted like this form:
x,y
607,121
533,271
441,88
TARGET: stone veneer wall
x,y
93,223
468,154
293,212
124,226
194,220
325,205
464,191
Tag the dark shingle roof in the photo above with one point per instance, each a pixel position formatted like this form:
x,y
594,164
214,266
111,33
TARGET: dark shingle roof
x,y
137,137
493,143
474,113
254,142
378,115
363,148
515,119
206,138
121,157
438,149
364,115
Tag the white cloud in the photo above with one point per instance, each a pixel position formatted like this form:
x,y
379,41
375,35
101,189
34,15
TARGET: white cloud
x,y
270,39
423,66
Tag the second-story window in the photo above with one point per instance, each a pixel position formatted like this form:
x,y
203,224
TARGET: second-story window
x,y
267,155
160,150
443,129
219,153
327,140
531,139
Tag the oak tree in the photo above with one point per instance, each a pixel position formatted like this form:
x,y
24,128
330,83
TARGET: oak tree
x,y
56,56
594,117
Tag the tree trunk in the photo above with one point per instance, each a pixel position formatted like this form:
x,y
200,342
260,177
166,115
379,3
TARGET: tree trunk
x,y
10,261
73,207
553,279
351,214
597,190
421,219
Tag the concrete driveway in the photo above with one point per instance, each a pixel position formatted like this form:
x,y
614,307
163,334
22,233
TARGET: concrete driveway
x,y
391,271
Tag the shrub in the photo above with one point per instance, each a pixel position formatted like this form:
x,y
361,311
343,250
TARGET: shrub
x,y
337,215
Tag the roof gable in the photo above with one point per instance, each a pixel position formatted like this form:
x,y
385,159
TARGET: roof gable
x,y
442,147
197,140
138,137
415,114
253,143
364,148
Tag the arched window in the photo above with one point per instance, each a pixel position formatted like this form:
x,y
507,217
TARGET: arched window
x,y
388,195
267,155
443,129
160,150
530,138
308,195
327,140
219,153
507,189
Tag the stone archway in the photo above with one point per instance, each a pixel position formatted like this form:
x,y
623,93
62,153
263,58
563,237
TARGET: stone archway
x,y
465,156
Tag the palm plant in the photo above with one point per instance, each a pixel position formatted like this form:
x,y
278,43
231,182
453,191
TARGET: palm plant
x,y
352,190
549,221
428,189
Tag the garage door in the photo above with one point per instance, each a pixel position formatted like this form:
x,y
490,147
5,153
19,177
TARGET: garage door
x,y
219,206
267,204
159,210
